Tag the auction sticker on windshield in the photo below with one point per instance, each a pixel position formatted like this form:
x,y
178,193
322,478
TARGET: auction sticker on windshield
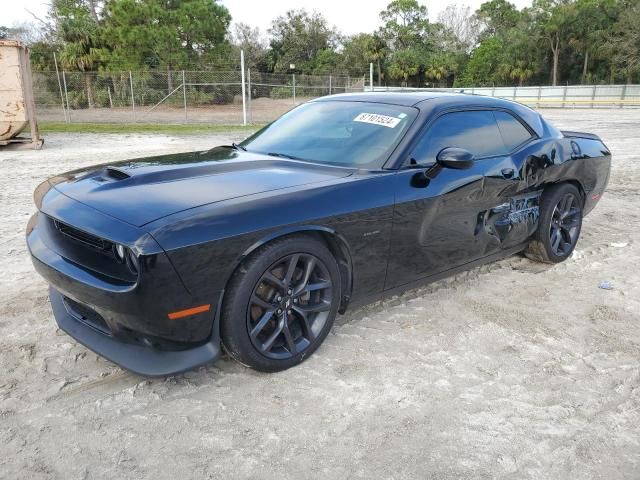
x,y
377,119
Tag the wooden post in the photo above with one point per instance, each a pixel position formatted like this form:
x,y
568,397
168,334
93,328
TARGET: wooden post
x,y
30,104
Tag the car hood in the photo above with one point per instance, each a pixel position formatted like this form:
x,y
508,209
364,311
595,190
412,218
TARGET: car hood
x,y
143,190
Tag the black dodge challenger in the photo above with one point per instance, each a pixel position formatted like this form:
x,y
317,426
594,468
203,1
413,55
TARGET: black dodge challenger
x,y
158,263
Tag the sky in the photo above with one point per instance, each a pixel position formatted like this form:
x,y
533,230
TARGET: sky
x,y
349,16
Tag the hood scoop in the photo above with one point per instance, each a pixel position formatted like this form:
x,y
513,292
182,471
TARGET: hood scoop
x,y
116,173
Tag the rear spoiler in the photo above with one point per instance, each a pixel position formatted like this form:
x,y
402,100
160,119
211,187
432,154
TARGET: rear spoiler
x,y
590,136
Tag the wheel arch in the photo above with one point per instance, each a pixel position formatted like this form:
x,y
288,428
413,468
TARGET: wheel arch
x,y
573,181
335,242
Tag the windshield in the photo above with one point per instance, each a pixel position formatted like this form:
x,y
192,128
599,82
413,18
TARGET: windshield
x,y
351,134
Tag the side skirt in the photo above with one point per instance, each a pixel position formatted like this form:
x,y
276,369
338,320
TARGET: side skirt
x,y
435,277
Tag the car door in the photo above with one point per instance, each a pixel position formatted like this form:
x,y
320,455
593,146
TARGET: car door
x,y
454,217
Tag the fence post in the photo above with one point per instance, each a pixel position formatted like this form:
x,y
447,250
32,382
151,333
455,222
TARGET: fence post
x,y
539,95
515,92
293,80
184,96
564,96
244,99
110,98
249,96
66,95
64,110
623,95
371,75
133,100
329,84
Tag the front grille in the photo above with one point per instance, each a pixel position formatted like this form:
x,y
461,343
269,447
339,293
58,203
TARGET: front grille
x,y
87,316
82,237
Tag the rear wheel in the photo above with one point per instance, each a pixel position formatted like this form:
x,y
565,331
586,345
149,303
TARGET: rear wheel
x,y
559,224
281,304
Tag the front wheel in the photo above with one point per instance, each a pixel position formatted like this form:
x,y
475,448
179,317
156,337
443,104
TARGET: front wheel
x,y
559,224
281,304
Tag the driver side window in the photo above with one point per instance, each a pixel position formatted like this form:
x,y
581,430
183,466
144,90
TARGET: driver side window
x,y
475,131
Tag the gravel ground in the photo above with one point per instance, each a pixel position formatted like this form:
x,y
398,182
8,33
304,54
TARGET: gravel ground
x,y
513,370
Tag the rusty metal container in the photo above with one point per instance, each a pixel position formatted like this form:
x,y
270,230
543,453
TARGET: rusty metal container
x,y
17,106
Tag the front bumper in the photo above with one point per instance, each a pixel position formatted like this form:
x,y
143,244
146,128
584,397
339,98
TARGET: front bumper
x,y
127,318
137,358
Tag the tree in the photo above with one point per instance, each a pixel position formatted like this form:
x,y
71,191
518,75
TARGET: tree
x,y
163,33
301,38
358,51
77,30
554,18
481,69
593,19
460,23
404,64
623,44
498,17
250,40
406,24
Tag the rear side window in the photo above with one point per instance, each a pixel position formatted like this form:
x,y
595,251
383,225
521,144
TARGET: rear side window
x,y
513,132
475,131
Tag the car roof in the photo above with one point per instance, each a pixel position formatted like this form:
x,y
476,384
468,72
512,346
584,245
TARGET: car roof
x,y
434,101
407,98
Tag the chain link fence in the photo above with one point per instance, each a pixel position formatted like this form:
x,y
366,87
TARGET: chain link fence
x,y
569,96
212,97
215,97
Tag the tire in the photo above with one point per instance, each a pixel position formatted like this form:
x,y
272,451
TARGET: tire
x,y
269,297
559,224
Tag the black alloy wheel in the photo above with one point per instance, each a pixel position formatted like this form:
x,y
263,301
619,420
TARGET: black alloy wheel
x,y
559,224
289,306
565,224
280,303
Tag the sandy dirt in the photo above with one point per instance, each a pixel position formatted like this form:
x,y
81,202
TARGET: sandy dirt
x,y
513,370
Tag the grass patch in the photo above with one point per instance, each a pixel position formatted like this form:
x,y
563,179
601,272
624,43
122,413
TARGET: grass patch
x,y
123,128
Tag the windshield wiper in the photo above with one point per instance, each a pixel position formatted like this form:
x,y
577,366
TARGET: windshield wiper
x,y
283,155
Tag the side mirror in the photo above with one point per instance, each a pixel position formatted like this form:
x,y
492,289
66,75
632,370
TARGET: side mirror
x,y
457,158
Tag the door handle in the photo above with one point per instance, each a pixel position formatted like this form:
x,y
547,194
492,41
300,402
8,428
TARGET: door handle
x,y
508,172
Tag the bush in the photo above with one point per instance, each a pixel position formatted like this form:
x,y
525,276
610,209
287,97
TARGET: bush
x,y
78,100
281,92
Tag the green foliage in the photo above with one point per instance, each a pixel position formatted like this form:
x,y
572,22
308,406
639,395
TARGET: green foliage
x,y
406,24
303,39
282,92
553,41
162,33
